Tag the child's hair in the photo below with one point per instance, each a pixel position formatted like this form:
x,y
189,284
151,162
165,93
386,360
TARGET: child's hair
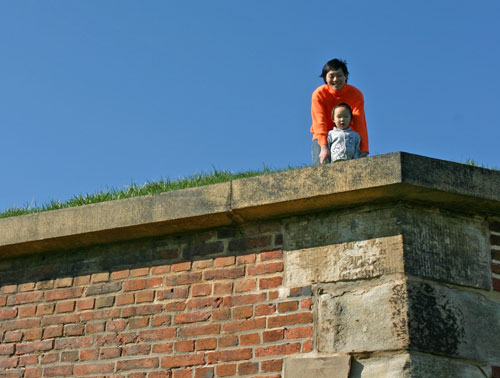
x,y
341,105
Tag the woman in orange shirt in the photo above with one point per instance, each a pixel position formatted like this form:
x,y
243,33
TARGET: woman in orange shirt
x,y
324,98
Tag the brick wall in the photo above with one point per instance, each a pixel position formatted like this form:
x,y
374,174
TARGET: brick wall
x,y
495,253
198,306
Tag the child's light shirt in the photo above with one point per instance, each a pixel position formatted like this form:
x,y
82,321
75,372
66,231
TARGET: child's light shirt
x,y
343,144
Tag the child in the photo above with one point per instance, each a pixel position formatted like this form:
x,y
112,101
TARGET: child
x,y
342,140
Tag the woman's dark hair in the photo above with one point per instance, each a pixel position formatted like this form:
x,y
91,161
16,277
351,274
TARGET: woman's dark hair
x,y
341,105
334,65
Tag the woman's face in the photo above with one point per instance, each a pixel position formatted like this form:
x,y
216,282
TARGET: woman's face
x,y
335,79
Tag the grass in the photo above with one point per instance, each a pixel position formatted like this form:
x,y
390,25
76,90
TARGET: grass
x,y
135,190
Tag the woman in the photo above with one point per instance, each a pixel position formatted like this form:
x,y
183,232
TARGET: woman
x,y
324,98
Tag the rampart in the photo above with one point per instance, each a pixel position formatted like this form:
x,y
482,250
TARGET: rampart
x,y
387,266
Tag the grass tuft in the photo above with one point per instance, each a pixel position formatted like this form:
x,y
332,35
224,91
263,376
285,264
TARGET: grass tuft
x,y
135,190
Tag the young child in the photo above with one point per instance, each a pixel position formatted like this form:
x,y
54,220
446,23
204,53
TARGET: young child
x,y
342,140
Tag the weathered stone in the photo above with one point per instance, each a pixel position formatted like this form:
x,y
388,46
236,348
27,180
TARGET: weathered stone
x,y
318,367
414,365
362,317
346,261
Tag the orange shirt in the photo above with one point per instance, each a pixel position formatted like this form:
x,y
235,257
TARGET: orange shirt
x,y
324,99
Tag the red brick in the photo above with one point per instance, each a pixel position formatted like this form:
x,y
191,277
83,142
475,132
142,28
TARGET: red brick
x,y
204,372
115,339
107,353
245,325
173,293
145,296
95,327
139,272
197,303
34,372
13,336
100,277
222,314
156,321
6,349
199,330
73,342
238,300
226,370
27,311
273,335
277,350
246,259
3,300
160,374
223,288
120,274
192,317
58,371
206,344
163,348
265,309
181,267
272,267
34,347
176,361
89,354
273,295
495,371
28,286
70,356
271,365
28,360
270,283
63,282
247,368
8,289
280,321
496,284
49,358
142,283
158,334
224,261
184,346
201,290
33,334
224,273
124,299
137,364
94,368
288,306
138,323
59,294
228,341
8,313
162,269
307,347
9,325
229,355
45,308
136,349
141,310
299,333
202,264
495,268
183,279
60,319
23,298
85,304
175,306
245,285
271,255
306,304
53,331
82,280
243,312
182,373
250,339
66,306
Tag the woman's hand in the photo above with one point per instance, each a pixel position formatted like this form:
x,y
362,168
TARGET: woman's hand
x,y
324,154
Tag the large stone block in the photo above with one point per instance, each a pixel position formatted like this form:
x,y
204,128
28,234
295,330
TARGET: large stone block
x,y
437,245
383,315
414,365
318,367
345,261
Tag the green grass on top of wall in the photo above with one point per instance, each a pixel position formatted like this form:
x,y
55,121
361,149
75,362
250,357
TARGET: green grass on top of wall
x,y
154,187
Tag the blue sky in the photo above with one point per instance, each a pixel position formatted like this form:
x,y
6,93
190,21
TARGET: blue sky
x,y
99,94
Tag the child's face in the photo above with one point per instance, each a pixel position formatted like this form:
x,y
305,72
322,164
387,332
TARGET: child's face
x,y
342,118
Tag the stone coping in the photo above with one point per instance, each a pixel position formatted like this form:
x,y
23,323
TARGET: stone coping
x,y
397,176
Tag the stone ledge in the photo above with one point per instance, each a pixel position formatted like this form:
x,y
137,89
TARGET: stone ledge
x,y
397,176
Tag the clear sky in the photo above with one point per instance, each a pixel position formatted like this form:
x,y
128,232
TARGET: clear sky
x,y
99,94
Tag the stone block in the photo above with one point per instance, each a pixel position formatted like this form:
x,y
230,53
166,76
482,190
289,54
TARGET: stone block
x,y
345,261
318,367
